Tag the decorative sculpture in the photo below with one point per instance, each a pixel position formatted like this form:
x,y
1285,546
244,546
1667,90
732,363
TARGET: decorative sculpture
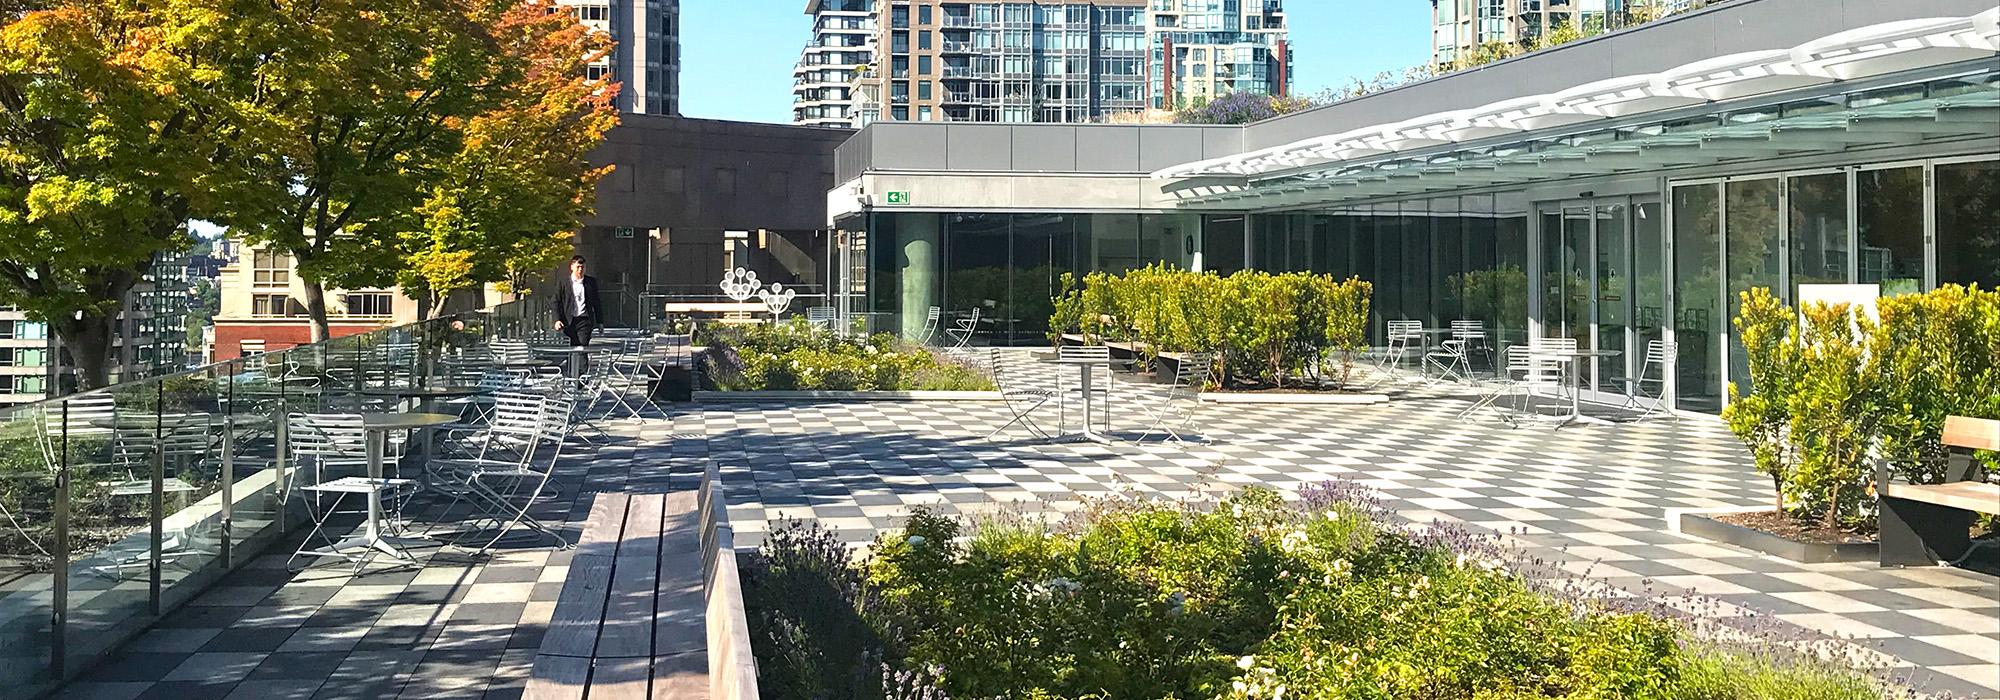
x,y
777,299
740,284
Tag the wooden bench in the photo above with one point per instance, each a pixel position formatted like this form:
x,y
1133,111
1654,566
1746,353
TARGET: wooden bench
x,y
651,607
1925,524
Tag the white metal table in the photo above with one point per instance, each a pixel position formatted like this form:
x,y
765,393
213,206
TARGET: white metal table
x,y
376,428
1573,362
1087,367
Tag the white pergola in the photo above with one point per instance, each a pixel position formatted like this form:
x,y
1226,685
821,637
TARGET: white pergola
x,y
1502,143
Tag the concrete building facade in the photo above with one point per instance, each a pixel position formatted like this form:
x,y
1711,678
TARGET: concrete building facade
x,y
647,60
664,216
263,306
1619,190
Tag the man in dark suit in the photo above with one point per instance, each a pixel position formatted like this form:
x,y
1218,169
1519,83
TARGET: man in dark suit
x,y
576,304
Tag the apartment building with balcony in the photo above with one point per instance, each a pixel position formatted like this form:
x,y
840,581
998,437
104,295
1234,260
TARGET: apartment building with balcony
x,y
1460,26
960,61
1217,49
843,45
647,59
263,306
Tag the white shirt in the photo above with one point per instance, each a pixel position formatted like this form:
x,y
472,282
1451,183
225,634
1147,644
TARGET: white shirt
x,y
576,292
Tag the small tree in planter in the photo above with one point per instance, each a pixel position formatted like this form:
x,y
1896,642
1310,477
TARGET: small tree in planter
x,y
1833,417
1762,417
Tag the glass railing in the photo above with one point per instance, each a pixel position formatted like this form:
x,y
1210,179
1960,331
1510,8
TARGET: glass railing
x,y
119,504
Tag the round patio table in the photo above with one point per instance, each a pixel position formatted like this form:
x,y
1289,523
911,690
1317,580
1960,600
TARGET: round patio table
x,y
1573,361
1087,367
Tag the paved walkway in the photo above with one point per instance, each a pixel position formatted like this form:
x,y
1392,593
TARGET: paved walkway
x,y
1600,493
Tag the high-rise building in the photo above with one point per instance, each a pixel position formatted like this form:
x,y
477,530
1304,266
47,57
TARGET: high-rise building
x,y
1459,26
1218,48
843,44
647,59
151,339
992,61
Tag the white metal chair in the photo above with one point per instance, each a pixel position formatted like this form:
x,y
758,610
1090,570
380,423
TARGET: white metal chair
x,y
931,319
1506,383
1400,338
1176,410
1657,372
820,316
338,442
963,330
1549,368
1019,390
1453,356
501,479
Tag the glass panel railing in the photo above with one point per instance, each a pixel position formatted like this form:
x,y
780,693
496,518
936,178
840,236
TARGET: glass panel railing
x,y
30,558
118,505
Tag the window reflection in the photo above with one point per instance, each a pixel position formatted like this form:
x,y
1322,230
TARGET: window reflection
x,y
1968,223
1890,203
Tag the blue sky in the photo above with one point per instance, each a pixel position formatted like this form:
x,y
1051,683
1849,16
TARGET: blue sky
x,y
737,55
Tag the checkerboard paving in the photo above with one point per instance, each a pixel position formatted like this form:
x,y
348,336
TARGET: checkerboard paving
x,y
1596,497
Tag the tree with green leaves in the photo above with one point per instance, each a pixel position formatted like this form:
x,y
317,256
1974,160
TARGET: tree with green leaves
x,y
106,132
506,203
353,107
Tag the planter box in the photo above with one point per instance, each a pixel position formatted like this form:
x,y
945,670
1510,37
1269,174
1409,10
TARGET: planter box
x,y
737,396
1704,525
1327,399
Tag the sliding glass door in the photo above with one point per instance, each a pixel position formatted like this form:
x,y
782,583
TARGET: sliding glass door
x,y
1590,282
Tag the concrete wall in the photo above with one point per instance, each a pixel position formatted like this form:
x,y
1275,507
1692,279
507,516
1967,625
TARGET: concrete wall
x,y
693,179
1001,192
1037,148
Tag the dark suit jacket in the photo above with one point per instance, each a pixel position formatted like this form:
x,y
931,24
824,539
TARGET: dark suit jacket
x,y
566,298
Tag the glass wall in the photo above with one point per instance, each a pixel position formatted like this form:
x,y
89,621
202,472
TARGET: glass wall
x,y
1816,218
1750,226
1698,313
1890,203
1436,260
1862,224
1968,223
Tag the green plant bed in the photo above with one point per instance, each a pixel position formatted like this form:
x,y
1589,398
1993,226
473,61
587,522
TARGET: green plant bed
x,y
795,356
1331,597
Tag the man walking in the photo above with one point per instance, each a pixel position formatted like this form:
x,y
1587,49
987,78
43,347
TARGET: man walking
x,y
576,304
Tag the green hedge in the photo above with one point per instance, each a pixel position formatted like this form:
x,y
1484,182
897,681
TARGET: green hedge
x,y
1270,329
796,356
1830,387
1252,598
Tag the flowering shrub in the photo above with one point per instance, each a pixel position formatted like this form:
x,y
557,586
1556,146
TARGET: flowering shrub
x,y
795,356
1253,598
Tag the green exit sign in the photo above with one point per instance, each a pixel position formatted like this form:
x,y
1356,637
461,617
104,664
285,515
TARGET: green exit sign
x,y
899,199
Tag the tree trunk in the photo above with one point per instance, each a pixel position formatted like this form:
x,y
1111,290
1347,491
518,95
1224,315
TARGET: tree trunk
x,y
316,310
88,341
1778,493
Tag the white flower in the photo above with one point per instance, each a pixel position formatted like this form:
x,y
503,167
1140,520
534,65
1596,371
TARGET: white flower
x,y
1292,540
1246,662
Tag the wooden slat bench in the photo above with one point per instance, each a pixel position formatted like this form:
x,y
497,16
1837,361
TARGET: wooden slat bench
x,y
1924,524
651,607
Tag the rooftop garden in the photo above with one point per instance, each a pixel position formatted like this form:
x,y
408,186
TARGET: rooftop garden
x,y
1251,597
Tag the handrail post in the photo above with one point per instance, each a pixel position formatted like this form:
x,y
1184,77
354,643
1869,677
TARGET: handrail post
x,y
228,490
159,507
59,551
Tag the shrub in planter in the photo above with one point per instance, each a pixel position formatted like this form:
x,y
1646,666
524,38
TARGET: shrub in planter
x,y
1934,355
1831,392
795,356
1248,598
1269,329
